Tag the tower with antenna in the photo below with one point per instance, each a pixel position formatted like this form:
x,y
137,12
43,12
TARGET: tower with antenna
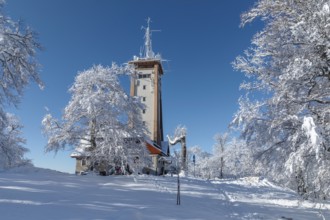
x,y
146,83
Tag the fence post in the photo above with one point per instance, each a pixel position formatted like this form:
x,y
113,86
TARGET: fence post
x,y
178,199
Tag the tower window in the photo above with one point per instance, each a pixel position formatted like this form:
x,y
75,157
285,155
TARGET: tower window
x,y
83,162
144,99
144,87
142,76
143,111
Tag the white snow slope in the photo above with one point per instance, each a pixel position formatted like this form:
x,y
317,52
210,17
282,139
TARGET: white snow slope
x,y
33,194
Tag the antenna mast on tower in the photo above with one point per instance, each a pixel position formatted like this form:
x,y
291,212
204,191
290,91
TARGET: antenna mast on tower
x,y
148,46
148,52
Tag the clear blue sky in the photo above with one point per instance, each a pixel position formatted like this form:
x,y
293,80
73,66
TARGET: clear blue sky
x,y
200,38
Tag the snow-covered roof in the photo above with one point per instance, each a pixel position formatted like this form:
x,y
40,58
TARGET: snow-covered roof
x,y
154,148
81,149
76,154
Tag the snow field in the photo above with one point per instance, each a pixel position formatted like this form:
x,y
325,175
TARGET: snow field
x,y
34,194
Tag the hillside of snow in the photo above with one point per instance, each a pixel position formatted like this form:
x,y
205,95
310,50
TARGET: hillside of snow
x,y
39,194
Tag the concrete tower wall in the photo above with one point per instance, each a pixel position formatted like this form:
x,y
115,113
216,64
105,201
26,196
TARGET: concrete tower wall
x,y
146,84
144,88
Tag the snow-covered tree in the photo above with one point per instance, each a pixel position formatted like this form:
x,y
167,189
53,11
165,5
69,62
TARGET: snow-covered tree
x,y
230,158
239,159
289,62
219,154
102,116
201,167
180,134
18,67
11,143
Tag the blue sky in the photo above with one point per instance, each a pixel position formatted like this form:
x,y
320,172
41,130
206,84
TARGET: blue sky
x,y
199,38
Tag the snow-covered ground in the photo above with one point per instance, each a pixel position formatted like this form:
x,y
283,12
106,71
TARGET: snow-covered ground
x,y
33,194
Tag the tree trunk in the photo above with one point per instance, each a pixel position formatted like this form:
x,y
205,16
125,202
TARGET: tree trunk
x,y
183,154
221,168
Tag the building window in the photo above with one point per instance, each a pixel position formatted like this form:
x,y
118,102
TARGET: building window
x,y
144,123
142,76
144,87
83,162
144,99
143,111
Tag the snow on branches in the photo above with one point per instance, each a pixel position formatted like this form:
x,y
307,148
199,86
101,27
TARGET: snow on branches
x,y
289,61
101,116
179,133
11,143
18,67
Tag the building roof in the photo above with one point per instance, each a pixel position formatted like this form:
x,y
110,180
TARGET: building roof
x,y
147,63
82,150
156,149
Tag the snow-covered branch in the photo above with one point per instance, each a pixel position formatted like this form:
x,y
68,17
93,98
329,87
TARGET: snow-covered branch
x,y
100,116
288,64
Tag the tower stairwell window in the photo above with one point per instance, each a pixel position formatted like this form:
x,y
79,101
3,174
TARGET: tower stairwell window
x,y
144,76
